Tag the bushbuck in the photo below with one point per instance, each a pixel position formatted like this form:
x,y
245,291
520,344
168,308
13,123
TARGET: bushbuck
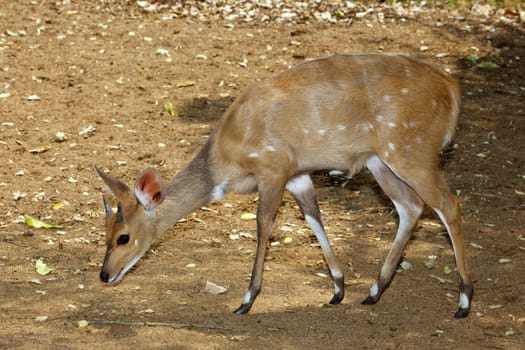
x,y
387,112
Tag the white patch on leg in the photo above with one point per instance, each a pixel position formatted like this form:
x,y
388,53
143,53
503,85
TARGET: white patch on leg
x,y
444,221
463,298
404,216
219,191
324,242
299,184
373,163
403,220
463,301
374,290
447,139
318,231
442,218
337,290
247,298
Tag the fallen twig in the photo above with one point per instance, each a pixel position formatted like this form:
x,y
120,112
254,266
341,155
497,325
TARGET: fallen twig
x,y
488,195
177,325
357,211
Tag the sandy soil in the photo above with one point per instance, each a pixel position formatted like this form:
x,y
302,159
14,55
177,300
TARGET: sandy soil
x,y
102,81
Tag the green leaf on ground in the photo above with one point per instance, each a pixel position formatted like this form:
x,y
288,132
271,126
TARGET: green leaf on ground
x,y
35,223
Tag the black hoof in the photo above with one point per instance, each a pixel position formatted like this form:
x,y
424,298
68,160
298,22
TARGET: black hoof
x,y
337,299
243,309
369,301
461,313
104,276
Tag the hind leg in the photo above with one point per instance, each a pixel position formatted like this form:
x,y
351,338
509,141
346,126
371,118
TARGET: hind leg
x,y
448,210
409,208
431,187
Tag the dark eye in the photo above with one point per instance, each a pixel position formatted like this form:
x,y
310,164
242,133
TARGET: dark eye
x,y
123,239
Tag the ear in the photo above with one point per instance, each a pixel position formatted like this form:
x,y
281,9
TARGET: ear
x,y
114,186
150,189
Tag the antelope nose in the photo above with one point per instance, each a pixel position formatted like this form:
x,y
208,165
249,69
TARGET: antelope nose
x,y
104,276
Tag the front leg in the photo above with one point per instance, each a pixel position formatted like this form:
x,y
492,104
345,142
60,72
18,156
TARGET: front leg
x,y
270,197
303,191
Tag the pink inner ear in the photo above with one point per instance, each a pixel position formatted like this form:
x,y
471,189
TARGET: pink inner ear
x,y
149,185
144,182
149,189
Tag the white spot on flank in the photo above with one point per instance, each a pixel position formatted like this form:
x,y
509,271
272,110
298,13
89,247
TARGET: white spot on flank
x,y
387,98
404,91
270,148
405,124
412,124
373,290
391,124
341,127
305,131
321,132
386,154
379,118
253,155
391,146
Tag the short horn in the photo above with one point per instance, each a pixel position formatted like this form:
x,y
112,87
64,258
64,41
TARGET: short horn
x,y
120,216
107,207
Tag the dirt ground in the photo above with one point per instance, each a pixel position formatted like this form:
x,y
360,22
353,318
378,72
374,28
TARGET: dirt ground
x,y
102,72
